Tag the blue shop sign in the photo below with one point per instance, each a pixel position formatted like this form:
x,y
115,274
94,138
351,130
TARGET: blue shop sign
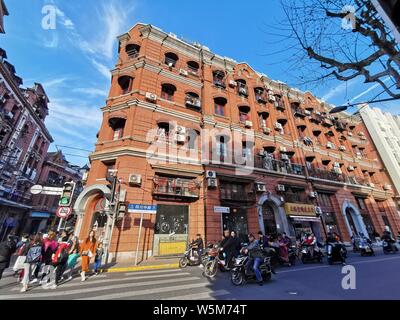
x,y
36,214
142,208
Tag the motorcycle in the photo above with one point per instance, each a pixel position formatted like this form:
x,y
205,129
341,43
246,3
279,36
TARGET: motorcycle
x,y
276,259
240,275
307,256
365,247
191,258
389,247
335,253
216,260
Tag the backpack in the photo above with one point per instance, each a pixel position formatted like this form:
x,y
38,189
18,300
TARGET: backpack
x,y
34,254
63,256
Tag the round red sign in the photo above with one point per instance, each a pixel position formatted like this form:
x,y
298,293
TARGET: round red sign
x,y
63,212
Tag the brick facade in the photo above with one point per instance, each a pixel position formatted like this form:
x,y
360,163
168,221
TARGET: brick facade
x,y
160,79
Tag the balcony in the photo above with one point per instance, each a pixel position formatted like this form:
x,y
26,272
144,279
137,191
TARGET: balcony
x,y
293,197
261,95
298,112
238,195
326,175
279,104
316,118
193,101
175,187
278,166
340,126
242,89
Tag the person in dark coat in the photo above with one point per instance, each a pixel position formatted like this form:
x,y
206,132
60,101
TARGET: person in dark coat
x,y
238,245
228,246
7,249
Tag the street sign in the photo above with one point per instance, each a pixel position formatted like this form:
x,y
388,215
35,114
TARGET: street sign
x,y
37,189
63,212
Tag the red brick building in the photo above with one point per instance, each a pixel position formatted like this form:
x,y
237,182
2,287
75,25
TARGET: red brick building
x,y
56,170
269,157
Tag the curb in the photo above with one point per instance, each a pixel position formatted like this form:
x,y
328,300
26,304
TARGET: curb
x,y
142,268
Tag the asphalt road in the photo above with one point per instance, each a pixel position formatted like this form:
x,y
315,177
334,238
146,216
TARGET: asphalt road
x,y
376,278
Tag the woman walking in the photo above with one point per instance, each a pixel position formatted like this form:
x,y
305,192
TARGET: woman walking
x,y
7,249
33,257
49,248
88,248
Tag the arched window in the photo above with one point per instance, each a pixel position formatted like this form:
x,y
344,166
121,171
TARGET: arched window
x,y
242,88
219,106
118,126
219,78
261,96
171,59
125,84
244,114
263,117
168,91
192,100
163,130
193,140
132,50
222,148
193,67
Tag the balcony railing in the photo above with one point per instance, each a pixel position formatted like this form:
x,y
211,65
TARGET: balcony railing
x,y
175,187
297,198
218,82
193,102
278,166
261,97
298,112
241,196
326,175
242,90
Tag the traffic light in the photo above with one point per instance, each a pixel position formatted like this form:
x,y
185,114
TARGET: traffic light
x,y
67,194
121,210
112,185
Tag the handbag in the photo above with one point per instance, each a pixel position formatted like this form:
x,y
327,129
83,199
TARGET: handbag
x,y
19,263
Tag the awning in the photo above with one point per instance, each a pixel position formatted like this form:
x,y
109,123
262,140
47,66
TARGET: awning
x,y
306,219
44,215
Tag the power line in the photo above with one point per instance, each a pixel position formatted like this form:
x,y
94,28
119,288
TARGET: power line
x,y
74,148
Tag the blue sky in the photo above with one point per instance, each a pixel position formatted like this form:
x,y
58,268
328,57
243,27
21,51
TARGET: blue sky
x,y
73,61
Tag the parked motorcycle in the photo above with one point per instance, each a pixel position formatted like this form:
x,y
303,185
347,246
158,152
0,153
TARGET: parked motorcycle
x,y
240,275
307,256
335,253
191,258
389,247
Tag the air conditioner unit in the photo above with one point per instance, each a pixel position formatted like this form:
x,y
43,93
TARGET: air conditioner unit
x,y
280,188
349,134
260,187
211,174
180,130
271,96
180,138
232,83
282,149
359,155
337,170
336,165
183,72
363,138
248,124
267,130
330,145
135,179
278,126
350,168
285,157
387,187
151,96
342,148
85,176
212,183
170,64
361,134
372,185
318,210
242,90
308,113
313,194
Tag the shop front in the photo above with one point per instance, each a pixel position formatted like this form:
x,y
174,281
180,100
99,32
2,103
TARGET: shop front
x,y
235,219
303,219
171,230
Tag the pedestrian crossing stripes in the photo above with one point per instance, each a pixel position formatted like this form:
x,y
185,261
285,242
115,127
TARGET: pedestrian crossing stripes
x,y
200,296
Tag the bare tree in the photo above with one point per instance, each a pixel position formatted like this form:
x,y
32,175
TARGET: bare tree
x,y
340,39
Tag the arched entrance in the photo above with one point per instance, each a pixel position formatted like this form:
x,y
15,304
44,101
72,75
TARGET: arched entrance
x,y
354,221
272,216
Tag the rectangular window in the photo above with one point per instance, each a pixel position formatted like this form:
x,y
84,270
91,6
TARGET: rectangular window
x,y
361,203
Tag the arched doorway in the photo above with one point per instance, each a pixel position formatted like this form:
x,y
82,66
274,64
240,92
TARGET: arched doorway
x,y
99,218
269,220
354,221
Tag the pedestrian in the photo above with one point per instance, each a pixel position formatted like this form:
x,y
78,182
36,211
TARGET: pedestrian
x,y
60,260
86,250
238,245
33,257
7,249
48,249
283,249
98,258
72,261
21,256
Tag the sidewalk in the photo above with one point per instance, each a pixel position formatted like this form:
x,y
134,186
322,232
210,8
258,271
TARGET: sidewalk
x,y
151,264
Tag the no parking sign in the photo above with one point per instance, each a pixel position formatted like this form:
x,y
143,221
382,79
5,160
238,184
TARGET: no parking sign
x,y
63,212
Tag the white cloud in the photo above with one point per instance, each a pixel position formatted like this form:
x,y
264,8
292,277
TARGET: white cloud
x,y
54,82
101,68
339,89
93,92
369,90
